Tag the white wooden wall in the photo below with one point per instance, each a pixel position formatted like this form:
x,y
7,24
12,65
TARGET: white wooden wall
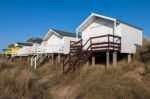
x,y
25,50
54,40
97,28
58,44
36,44
130,37
52,45
66,44
43,43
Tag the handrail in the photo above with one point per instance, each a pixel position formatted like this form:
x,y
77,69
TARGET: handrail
x,y
76,52
74,57
65,62
86,42
105,36
108,35
75,42
70,52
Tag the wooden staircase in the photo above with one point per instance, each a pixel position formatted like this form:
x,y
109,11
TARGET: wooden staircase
x,y
79,53
38,59
76,57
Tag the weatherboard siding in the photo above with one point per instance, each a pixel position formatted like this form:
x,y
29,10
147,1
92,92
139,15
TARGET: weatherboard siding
x,y
24,51
130,37
66,44
97,28
54,40
118,30
57,44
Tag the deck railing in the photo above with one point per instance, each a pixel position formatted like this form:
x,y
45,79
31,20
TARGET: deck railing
x,y
35,50
80,51
105,43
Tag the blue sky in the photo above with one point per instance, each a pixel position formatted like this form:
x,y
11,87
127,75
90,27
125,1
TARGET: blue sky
x,y
21,19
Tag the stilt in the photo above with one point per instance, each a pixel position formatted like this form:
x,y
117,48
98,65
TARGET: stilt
x,y
87,63
93,61
114,59
107,59
35,62
129,58
52,59
58,58
48,55
20,58
31,61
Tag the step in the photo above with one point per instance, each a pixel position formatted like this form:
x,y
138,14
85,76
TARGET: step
x,y
79,46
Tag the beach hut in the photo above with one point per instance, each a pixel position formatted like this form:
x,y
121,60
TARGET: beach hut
x,y
102,35
36,45
56,43
25,49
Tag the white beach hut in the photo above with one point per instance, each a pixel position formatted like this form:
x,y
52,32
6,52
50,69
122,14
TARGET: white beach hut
x,y
25,49
101,34
55,43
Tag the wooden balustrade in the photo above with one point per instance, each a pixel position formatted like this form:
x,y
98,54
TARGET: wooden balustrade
x,y
77,51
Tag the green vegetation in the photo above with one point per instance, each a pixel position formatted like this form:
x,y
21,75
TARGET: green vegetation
x,y
127,81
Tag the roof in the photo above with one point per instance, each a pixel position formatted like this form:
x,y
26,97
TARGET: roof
x,y
35,40
94,15
129,24
59,32
64,33
11,45
24,44
5,49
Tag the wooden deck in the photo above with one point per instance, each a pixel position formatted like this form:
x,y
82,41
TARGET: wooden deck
x,y
80,53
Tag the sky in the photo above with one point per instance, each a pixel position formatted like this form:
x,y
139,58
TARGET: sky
x,y
22,19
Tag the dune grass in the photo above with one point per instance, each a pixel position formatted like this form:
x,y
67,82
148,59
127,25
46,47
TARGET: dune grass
x,y
128,81
92,82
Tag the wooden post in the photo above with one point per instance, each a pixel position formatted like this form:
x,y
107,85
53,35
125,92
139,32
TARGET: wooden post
x,y
108,42
90,44
129,58
35,62
52,59
114,59
48,55
58,57
93,61
31,61
20,58
87,63
107,59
